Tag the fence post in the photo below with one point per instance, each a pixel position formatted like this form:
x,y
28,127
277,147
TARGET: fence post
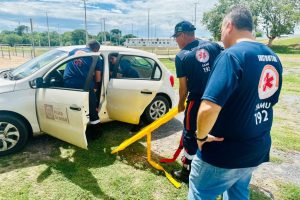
x,y
16,50
2,51
9,54
23,51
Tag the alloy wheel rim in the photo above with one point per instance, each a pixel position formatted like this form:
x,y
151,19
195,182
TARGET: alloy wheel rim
x,y
158,109
9,136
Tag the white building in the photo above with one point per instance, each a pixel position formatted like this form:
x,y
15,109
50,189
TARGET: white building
x,y
151,42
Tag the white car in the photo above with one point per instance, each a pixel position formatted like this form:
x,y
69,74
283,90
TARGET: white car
x,y
33,98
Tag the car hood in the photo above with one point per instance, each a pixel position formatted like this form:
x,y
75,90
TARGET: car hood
x,y
6,85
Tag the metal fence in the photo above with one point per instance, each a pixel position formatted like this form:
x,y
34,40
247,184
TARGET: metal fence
x,y
26,51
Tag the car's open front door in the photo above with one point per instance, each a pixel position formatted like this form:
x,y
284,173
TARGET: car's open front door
x,y
63,114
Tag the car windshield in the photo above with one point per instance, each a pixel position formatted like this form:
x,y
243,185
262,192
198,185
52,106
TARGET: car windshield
x,y
37,63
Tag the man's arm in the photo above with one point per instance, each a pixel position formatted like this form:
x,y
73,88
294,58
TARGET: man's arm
x,y
97,80
98,76
182,93
207,117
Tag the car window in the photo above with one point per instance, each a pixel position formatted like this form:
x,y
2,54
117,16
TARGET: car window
x,y
137,67
71,74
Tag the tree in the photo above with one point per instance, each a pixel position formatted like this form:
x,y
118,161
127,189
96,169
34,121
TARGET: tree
x,y
103,36
12,39
277,17
213,18
116,32
67,38
20,30
78,36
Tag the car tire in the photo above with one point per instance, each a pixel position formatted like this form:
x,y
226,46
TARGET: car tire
x,y
13,134
157,108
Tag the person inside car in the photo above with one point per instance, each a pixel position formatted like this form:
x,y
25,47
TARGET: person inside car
x,y
126,70
75,75
112,59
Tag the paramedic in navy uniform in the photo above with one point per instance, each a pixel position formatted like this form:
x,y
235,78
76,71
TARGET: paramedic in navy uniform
x,y
193,66
237,107
75,76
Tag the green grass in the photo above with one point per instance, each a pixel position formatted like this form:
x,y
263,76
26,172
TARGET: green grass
x,y
287,41
291,83
276,160
289,192
51,169
287,45
68,172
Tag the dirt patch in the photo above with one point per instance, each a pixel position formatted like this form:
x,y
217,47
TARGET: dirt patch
x,y
14,61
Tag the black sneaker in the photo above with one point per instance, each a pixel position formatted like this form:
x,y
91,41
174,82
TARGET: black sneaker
x,y
182,175
93,131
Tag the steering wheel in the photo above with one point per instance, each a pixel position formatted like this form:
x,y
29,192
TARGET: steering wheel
x,y
56,78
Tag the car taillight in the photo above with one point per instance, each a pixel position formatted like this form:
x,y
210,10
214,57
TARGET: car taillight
x,y
172,80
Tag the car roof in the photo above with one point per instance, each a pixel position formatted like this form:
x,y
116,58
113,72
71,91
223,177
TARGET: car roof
x,y
104,48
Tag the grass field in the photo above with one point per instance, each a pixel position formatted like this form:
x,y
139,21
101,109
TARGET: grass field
x,y
51,169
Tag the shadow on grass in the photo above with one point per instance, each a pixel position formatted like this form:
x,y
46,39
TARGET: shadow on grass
x,y
286,49
78,165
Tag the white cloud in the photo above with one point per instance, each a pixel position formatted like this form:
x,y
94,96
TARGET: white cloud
x,y
163,14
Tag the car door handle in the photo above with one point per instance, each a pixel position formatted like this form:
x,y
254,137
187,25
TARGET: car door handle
x,y
146,92
75,107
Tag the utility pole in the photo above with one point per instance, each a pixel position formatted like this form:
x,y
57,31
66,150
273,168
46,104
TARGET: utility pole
x,y
48,30
195,14
148,25
104,29
31,27
132,29
59,37
85,25
37,30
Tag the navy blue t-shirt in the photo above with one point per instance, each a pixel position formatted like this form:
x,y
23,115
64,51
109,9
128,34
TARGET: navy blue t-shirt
x,y
77,70
195,62
246,81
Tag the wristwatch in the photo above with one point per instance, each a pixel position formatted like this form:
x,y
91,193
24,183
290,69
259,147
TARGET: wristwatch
x,y
202,139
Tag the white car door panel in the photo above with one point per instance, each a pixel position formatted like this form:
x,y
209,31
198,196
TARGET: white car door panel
x,y
63,114
128,98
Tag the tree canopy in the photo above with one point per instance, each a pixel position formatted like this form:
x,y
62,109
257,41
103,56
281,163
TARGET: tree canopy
x,y
20,35
274,17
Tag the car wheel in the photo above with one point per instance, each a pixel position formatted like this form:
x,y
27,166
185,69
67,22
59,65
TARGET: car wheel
x,y
157,108
13,134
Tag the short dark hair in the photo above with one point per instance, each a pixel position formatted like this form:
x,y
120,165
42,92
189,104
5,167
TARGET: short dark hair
x,y
94,45
241,17
114,54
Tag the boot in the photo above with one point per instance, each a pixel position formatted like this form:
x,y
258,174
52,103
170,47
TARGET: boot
x,y
182,174
93,131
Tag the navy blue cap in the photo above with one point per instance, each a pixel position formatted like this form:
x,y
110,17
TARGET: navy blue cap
x,y
183,26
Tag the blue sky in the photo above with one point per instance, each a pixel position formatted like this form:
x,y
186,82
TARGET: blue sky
x,y
128,15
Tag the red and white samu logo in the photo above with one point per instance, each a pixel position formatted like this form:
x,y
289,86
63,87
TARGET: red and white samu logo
x,y
202,55
268,83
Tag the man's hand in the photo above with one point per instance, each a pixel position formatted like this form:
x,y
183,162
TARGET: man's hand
x,y
210,138
180,107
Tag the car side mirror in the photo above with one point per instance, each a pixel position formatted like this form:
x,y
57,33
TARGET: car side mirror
x,y
37,83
